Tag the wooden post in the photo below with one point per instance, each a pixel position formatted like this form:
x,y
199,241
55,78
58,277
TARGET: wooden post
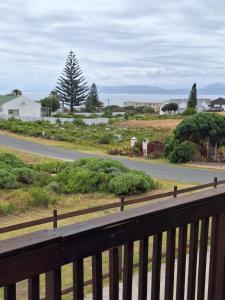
x,y
120,249
215,182
55,219
175,191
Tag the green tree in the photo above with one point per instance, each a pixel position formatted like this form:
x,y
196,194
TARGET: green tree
x,y
93,104
170,107
52,101
71,86
193,101
202,128
16,93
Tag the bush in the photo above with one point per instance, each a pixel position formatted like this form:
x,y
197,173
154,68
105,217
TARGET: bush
x,y
81,180
130,183
4,166
11,160
25,175
41,198
105,139
53,167
7,208
8,180
183,152
189,111
53,187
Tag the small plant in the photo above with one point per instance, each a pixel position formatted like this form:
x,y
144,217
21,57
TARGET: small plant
x,y
189,112
183,152
105,139
41,198
53,187
8,180
25,175
130,183
11,160
7,208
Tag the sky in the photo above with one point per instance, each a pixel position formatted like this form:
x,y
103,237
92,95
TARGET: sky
x,y
162,43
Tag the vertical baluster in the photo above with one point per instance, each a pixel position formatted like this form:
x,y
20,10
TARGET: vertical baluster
x,y
218,291
97,276
143,269
78,279
193,251
170,260
128,271
10,292
202,259
181,262
113,274
34,288
53,285
212,263
156,266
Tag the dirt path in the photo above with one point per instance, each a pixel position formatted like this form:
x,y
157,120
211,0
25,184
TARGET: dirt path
x,y
163,124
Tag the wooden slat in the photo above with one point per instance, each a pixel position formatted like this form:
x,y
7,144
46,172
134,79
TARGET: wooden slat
x,y
181,262
10,292
193,253
212,263
53,285
220,260
128,271
143,269
34,288
156,266
113,274
78,279
170,260
202,259
97,276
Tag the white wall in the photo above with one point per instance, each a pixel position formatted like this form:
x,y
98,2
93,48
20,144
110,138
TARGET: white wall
x,y
26,107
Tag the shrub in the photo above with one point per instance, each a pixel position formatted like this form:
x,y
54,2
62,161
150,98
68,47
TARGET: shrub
x,y
4,166
7,208
25,175
105,139
53,187
52,167
130,183
78,122
189,111
11,160
183,152
8,180
81,180
41,198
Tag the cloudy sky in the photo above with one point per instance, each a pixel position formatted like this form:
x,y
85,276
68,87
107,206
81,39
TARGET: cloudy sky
x,y
163,43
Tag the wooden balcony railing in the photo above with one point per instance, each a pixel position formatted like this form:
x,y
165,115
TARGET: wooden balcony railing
x,y
191,230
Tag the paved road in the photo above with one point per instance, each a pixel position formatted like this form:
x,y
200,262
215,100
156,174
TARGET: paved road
x,y
157,170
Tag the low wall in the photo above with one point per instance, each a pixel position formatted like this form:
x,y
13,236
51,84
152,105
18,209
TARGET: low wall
x,y
94,121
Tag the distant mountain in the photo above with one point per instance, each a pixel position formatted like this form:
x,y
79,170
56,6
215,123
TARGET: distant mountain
x,y
215,88
138,89
211,89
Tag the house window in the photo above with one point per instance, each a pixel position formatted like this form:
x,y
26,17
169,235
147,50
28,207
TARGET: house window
x,y
1,108
13,112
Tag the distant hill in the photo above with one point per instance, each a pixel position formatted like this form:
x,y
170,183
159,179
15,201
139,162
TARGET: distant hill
x,y
139,89
211,89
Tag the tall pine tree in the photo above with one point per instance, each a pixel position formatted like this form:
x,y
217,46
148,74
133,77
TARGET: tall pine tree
x,y
193,101
93,104
71,86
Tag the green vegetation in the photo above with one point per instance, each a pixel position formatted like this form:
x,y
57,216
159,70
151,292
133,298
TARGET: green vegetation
x,y
193,101
47,183
170,107
51,102
189,111
93,104
102,137
200,131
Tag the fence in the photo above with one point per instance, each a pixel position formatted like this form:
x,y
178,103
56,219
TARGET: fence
x,y
195,223
121,204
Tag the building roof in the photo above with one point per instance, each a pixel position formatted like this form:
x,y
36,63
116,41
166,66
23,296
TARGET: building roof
x,y
218,101
5,99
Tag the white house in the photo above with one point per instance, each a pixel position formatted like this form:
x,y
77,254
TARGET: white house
x,y
203,104
21,106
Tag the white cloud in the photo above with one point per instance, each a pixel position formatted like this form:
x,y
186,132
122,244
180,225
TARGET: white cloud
x,y
133,42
